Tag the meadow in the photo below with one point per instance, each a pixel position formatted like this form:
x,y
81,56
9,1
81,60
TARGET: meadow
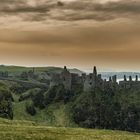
x,y
26,130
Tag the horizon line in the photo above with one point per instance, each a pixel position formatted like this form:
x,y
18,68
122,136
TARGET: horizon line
x,y
100,70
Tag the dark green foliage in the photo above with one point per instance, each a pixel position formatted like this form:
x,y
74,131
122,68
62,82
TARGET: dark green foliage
x,y
108,109
76,90
36,95
24,97
56,94
6,103
38,99
30,109
24,75
29,94
17,88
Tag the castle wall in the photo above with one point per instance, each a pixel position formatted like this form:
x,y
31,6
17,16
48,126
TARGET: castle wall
x,y
76,79
91,81
55,80
88,84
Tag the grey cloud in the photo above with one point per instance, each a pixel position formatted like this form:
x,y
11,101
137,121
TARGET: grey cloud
x,y
70,11
25,9
118,6
123,6
20,7
101,12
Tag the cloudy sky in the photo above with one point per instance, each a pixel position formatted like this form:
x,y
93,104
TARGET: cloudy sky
x,y
76,33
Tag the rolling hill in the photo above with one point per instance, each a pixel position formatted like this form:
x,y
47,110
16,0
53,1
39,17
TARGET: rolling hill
x,y
19,69
58,107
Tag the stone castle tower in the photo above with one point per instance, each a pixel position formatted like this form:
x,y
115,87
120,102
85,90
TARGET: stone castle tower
x,y
91,80
94,77
63,78
66,78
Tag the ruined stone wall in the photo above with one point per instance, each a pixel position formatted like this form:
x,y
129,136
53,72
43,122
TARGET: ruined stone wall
x,y
55,80
88,82
92,81
66,78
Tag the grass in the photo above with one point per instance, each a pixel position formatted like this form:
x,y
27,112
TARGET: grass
x,y
19,69
24,130
54,115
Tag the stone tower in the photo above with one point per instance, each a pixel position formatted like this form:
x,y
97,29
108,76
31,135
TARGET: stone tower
x,y
125,79
66,78
94,79
136,78
91,80
130,78
95,71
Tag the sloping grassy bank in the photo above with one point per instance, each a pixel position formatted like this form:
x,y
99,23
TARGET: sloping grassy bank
x,y
26,130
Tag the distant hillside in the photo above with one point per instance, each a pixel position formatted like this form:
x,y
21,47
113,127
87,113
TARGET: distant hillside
x,y
18,69
105,75
29,95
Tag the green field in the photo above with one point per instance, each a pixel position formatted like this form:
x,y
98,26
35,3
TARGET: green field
x,y
19,69
54,115
24,130
55,120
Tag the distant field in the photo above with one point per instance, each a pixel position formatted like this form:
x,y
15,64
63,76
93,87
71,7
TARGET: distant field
x,y
17,69
24,130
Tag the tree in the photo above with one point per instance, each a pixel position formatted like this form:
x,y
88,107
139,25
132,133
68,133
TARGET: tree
x,y
6,103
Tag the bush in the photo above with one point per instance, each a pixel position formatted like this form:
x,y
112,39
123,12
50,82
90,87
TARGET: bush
x,y
30,109
6,103
17,88
38,100
108,109
57,94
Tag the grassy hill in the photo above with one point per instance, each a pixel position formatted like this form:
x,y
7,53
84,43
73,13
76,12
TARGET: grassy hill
x,y
18,69
26,130
56,114
32,100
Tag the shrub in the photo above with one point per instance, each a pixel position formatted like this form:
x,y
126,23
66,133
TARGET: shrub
x,y
30,109
6,103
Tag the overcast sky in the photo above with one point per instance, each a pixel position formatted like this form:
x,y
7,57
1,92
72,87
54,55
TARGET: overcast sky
x,y
76,33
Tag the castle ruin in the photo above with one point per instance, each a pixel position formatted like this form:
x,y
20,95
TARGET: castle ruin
x,y
91,81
